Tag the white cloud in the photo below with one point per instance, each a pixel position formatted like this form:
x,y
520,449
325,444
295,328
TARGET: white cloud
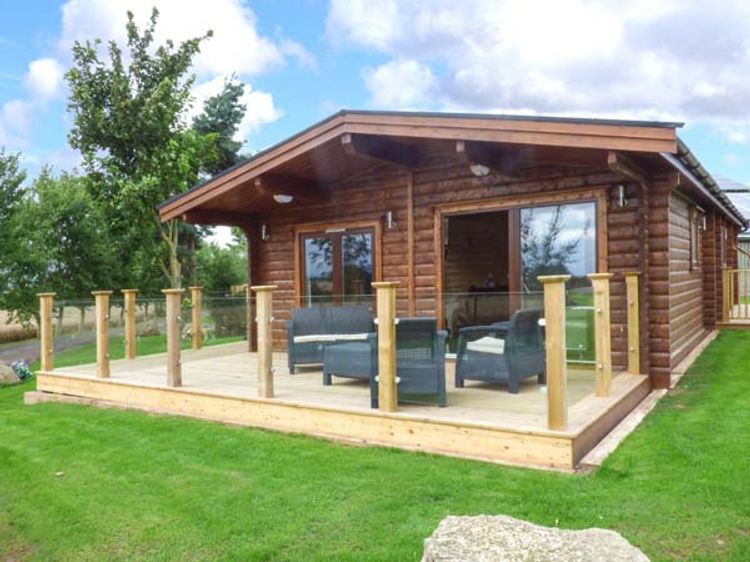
x,y
260,107
15,123
236,47
669,59
400,84
44,78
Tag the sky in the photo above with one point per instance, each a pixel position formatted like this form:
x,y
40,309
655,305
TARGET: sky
x,y
675,60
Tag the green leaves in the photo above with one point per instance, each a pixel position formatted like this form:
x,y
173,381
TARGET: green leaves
x,y
128,110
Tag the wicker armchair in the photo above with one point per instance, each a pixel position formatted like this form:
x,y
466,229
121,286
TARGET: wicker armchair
x,y
312,329
506,352
420,362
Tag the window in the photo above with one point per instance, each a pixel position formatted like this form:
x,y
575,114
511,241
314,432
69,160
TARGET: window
x,y
555,240
337,267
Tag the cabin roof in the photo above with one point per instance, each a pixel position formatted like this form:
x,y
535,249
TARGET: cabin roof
x,y
301,154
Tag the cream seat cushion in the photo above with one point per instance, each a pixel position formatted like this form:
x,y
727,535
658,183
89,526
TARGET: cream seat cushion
x,y
487,344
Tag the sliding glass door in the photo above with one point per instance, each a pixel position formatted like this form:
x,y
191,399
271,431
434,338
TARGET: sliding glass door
x,y
557,240
337,266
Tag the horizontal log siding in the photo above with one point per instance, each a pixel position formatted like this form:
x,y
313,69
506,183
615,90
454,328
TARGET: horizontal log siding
x,y
369,196
658,280
638,233
711,243
686,281
625,253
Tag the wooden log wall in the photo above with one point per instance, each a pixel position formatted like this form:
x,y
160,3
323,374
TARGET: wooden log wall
x,y
637,233
658,280
686,278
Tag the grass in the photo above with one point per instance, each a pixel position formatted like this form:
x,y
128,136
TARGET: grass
x,y
146,346
135,486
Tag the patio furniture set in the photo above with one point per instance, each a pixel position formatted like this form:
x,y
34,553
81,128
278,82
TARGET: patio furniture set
x,y
343,339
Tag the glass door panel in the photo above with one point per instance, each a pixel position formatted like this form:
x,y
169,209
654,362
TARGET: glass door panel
x,y
318,270
338,267
561,240
556,240
357,266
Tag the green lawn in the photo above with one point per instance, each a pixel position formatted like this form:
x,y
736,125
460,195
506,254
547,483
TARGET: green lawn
x,y
146,345
135,486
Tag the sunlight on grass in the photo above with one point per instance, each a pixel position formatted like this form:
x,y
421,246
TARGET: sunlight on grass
x,y
136,486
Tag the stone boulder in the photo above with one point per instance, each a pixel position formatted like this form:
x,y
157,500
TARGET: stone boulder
x,y
500,538
7,375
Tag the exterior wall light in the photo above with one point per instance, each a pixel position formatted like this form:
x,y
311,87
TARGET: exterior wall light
x,y
622,200
390,220
264,234
283,199
479,170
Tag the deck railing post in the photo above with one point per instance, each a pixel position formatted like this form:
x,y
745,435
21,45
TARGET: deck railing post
x,y
250,311
173,299
725,299
196,297
46,344
386,313
603,332
634,322
129,296
101,300
557,370
264,319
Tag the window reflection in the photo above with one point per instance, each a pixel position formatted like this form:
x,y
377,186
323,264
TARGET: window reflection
x,y
556,240
318,270
357,261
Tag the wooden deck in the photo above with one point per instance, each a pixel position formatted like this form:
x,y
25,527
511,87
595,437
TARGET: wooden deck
x,y
481,421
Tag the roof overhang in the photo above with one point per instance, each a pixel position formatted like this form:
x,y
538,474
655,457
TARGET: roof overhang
x,y
257,172
685,162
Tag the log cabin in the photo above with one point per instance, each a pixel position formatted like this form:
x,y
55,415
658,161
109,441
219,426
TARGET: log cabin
x,y
448,205
613,228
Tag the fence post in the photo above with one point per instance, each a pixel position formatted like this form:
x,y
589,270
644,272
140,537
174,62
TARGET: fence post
x,y
196,297
386,311
173,299
725,298
634,322
101,298
129,296
250,311
46,344
557,370
264,301
603,332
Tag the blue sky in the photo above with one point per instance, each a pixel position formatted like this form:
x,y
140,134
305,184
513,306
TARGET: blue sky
x,y
304,59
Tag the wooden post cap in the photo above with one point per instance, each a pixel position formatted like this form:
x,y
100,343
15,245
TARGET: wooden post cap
x,y
632,273
195,288
543,279
96,293
128,290
173,291
385,284
263,288
46,294
597,276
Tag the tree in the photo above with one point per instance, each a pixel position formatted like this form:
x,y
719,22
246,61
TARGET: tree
x,y
129,124
219,268
222,115
11,195
61,244
545,252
